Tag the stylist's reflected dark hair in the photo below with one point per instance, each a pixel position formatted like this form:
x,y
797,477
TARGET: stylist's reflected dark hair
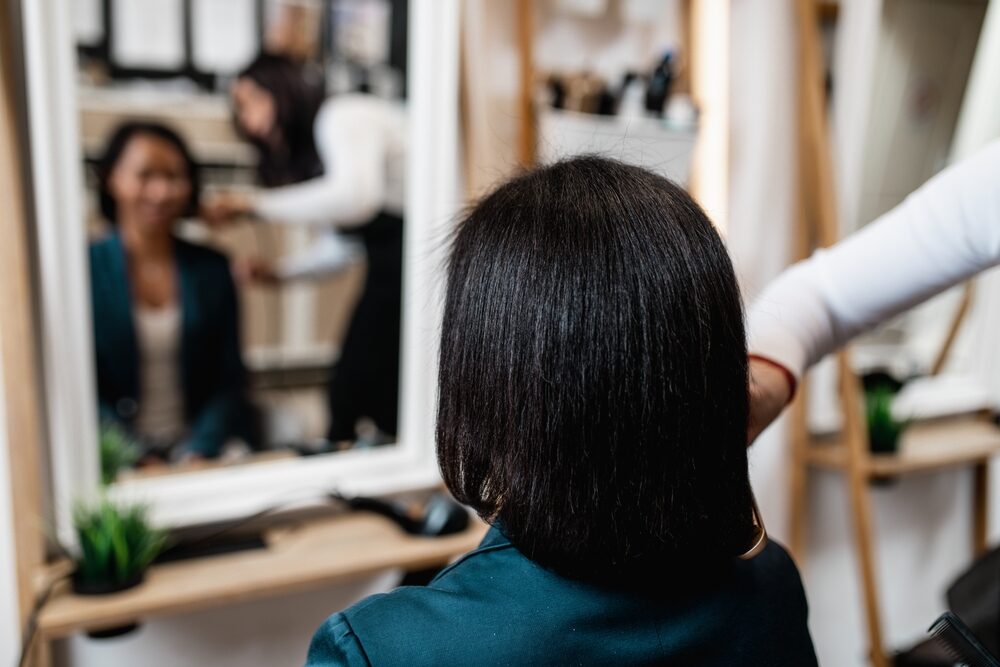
x,y
117,144
297,98
593,373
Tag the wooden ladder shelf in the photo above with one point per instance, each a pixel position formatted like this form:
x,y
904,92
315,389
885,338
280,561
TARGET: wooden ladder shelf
x,y
926,447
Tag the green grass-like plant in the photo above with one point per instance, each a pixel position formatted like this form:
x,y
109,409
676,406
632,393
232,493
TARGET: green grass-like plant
x,y
118,451
116,543
883,429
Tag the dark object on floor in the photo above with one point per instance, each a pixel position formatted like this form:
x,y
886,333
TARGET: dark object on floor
x,y
975,597
927,653
960,643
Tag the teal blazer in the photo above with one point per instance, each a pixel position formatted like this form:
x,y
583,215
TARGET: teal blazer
x,y
212,371
496,607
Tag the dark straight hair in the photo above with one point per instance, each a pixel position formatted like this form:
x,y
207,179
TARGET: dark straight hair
x,y
297,99
117,144
593,373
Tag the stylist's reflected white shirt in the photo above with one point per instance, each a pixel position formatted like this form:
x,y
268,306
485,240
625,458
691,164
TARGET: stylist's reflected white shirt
x,y
362,141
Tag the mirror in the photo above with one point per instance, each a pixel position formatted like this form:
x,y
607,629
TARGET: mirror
x,y
239,219
245,207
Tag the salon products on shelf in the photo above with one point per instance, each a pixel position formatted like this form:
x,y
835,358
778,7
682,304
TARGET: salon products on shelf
x,y
660,82
636,95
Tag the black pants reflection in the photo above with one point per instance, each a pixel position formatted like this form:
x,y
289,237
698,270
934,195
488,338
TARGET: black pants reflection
x,y
365,381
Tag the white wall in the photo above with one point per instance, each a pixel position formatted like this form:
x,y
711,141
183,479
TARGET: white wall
x,y
923,523
265,633
9,625
923,55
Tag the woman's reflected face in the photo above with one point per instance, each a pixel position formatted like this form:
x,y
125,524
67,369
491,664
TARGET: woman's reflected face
x,y
254,108
150,183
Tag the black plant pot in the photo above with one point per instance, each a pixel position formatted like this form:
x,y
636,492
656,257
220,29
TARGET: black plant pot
x,y
883,443
81,587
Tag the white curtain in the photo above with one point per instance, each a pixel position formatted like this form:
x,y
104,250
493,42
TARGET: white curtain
x,y
762,191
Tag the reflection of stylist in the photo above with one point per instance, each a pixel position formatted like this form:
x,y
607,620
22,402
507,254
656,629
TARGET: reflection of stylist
x,y
338,167
945,232
166,328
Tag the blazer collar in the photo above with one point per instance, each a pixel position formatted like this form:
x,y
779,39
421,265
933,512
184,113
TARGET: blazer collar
x,y
119,288
494,538
187,281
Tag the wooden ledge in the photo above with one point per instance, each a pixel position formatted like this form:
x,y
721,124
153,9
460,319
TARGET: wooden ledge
x,y
298,558
925,446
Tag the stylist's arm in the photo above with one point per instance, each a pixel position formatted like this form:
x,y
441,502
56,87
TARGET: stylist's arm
x,y
945,232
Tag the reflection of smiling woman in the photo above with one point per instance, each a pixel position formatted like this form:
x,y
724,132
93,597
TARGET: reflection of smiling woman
x,y
165,312
593,408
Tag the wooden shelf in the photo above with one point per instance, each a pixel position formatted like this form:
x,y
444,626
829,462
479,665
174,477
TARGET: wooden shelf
x,y
925,446
185,467
204,120
298,558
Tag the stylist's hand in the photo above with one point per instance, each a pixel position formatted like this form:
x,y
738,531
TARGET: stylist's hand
x,y
225,207
770,392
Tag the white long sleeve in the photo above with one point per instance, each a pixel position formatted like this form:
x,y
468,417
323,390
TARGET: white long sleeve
x,y
362,142
945,232
329,254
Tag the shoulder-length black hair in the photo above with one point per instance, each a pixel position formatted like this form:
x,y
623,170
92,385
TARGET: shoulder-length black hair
x,y
593,373
297,99
117,144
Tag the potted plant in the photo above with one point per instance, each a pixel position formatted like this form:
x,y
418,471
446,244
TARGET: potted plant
x,y
118,451
883,429
116,546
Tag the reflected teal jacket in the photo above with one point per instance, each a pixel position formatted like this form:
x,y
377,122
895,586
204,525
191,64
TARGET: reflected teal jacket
x,y
212,372
496,607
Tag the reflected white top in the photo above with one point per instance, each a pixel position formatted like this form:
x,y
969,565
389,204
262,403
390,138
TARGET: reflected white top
x,y
361,140
945,232
161,408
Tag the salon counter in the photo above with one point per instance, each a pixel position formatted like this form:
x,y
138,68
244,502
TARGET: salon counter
x,y
297,558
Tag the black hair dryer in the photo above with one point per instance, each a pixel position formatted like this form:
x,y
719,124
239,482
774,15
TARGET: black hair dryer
x,y
441,515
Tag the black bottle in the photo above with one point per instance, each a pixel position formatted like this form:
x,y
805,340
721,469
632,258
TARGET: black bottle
x,y
660,82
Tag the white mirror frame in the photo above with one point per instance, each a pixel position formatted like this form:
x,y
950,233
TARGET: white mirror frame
x,y
433,198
